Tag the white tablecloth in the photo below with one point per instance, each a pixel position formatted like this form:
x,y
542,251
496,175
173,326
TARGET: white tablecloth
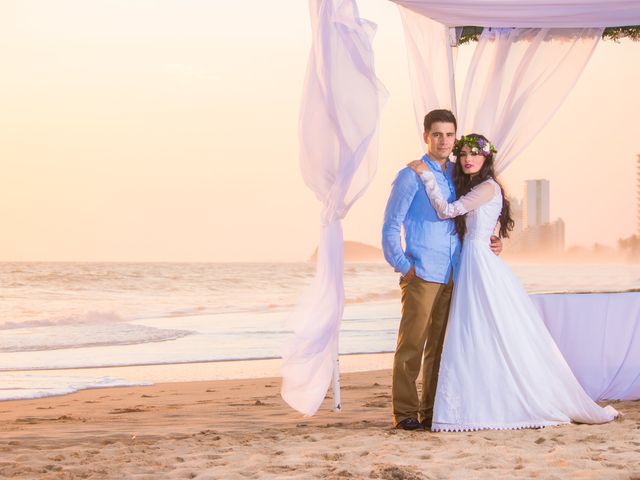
x,y
599,335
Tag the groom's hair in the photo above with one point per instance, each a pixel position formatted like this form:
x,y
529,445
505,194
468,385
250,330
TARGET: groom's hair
x,y
440,115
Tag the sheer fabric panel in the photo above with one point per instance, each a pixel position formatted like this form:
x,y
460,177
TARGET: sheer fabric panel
x,y
431,65
339,121
599,336
529,13
517,80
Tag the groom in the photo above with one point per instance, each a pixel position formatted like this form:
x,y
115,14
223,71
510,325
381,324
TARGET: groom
x,y
427,266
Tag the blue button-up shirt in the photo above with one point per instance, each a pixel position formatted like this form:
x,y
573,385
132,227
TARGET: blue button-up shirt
x,y
432,245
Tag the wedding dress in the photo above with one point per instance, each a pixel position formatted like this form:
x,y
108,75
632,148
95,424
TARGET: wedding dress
x,y
500,367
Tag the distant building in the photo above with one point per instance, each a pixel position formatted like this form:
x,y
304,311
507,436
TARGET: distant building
x,y
638,193
533,232
536,204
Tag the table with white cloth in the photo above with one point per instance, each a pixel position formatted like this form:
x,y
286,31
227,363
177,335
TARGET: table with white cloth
x,y
599,336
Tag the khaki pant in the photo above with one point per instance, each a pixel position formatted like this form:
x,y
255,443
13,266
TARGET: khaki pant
x,y
425,311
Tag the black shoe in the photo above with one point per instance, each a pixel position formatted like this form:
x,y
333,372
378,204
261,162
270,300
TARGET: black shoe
x,y
410,424
426,423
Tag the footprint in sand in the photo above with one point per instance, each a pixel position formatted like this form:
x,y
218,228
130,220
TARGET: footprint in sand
x,y
334,457
592,439
279,469
396,472
27,420
119,411
463,455
69,418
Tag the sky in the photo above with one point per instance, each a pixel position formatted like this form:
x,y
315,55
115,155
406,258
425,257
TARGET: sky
x,y
166,130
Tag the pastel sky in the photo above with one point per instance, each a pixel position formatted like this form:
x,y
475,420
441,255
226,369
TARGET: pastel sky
x,y
166,130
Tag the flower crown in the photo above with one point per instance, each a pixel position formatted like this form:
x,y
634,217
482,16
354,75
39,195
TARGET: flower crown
x,y
476,144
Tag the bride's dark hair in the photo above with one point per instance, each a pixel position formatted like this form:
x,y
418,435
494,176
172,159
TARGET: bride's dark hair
x,y
464,183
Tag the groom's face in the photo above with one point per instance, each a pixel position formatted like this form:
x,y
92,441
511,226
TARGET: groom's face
x,y
440,140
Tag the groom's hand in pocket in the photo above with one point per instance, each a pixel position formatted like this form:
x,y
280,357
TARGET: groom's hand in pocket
x,y
496,245
409,276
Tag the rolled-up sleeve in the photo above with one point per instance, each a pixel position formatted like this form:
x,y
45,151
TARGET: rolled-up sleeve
x,y
403,190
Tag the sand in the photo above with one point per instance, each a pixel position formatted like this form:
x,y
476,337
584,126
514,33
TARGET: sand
x,y
241,429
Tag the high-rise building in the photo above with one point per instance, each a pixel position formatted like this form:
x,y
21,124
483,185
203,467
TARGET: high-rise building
x,y
638,192
536,233
536,208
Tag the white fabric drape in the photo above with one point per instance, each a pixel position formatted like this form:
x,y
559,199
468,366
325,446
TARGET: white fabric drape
x,y
599,336
517,80
339,121
528,13
431,65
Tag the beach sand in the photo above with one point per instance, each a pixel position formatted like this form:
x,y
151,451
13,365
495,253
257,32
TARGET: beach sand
x,y
239,429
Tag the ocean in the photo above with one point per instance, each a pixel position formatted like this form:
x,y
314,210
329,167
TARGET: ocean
x,y
79,316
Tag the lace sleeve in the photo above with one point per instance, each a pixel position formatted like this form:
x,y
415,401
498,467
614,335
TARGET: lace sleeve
x,y
478,196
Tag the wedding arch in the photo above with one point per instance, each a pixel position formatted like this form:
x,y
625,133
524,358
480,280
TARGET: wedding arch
x,y
528,57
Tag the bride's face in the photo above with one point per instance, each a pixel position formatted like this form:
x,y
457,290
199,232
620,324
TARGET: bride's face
x,y
470,163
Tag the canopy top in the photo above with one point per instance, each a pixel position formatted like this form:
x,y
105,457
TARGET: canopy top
x,y
528,13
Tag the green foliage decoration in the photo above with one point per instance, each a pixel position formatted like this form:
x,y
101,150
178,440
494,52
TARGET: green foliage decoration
x,y
471,34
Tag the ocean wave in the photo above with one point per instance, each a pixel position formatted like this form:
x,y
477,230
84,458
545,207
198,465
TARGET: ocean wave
x,y
89,318
29,386
81,336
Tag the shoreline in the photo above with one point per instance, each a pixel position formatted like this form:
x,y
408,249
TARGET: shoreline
x,y
217,369
167,364
236,429
143,375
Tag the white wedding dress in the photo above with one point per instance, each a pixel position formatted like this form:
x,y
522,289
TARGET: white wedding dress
x,y
500,367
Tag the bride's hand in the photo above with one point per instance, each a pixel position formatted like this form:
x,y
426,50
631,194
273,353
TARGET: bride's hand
x,y
418,166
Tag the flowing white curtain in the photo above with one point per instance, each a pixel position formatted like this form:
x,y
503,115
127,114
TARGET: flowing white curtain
x,y
339,121
431,65
528,13
517,80
599,336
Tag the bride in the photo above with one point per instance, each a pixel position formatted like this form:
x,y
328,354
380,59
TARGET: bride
x,y
500,367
